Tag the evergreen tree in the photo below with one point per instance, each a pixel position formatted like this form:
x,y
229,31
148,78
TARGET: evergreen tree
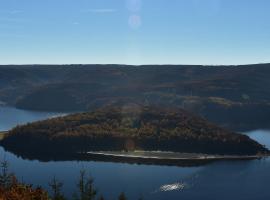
x,y
122,196
86,188
56,187
141,197
6,178
101,198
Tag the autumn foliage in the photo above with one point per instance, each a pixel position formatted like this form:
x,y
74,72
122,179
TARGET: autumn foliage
x,y
22,192
129,127
11,189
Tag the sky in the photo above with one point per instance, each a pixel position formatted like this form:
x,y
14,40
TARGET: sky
x,y
215,32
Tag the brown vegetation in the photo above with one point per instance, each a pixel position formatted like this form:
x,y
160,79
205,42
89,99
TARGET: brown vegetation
x,y
11,189
128,128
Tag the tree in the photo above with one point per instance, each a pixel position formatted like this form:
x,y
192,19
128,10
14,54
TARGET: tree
x,y
101,198
141,197
6,178
56,187
122,196
11,189
87,190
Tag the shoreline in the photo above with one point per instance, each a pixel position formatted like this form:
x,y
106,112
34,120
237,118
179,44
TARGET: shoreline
x,y
137,157
171,157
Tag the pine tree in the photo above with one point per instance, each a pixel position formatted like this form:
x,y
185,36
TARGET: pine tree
x,y
6,178
56,187
86,187
101,198
122,196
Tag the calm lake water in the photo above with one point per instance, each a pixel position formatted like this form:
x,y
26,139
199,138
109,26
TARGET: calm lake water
x,y
220,180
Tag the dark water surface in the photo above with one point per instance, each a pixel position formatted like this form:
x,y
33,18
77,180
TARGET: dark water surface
x,y
10,117
219,180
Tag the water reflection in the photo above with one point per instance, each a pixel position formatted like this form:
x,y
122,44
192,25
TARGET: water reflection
x,y
110,178
174,186
219,180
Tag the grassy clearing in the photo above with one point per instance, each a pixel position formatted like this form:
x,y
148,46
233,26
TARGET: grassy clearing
x,y
2,134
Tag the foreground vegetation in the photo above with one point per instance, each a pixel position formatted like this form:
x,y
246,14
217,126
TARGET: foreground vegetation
x,y
129,128
12,189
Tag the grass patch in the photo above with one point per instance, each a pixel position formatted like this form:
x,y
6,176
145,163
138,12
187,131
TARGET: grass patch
x,y
2,134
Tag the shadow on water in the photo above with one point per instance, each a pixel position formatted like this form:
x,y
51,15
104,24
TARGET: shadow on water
x,y
242,180
97,157
223,180
48,157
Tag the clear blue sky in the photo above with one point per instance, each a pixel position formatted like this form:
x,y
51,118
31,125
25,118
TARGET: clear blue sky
x,y
134,31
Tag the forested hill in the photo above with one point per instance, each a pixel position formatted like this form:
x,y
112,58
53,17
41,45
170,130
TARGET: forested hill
x,y
129,128
237,97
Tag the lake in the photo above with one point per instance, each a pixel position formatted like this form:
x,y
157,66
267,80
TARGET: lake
x,y
219,180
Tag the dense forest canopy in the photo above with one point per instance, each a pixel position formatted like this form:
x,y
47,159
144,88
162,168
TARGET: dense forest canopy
x,y
129,128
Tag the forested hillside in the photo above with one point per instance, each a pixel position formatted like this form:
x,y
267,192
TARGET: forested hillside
x,y
129,128
236,97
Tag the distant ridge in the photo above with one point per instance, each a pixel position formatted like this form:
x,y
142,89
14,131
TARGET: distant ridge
x,y
235,97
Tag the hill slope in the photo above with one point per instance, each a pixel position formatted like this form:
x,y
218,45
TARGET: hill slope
x,y
128,128
235,97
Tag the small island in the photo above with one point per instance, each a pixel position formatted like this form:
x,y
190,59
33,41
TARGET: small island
x,y
130,128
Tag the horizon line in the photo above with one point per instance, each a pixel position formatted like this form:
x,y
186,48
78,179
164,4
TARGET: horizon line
x,y
51,64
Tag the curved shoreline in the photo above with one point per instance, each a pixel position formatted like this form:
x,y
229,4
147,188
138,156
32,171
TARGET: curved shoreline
x,y
186,160
164,159
172,156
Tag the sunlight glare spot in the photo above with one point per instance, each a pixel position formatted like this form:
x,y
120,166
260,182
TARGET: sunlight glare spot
x,y
172,187
134,21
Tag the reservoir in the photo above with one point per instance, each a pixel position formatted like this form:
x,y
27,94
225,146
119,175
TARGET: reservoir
x,y
219,180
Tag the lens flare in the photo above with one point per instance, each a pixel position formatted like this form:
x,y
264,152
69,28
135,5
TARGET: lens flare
x,y
135,21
